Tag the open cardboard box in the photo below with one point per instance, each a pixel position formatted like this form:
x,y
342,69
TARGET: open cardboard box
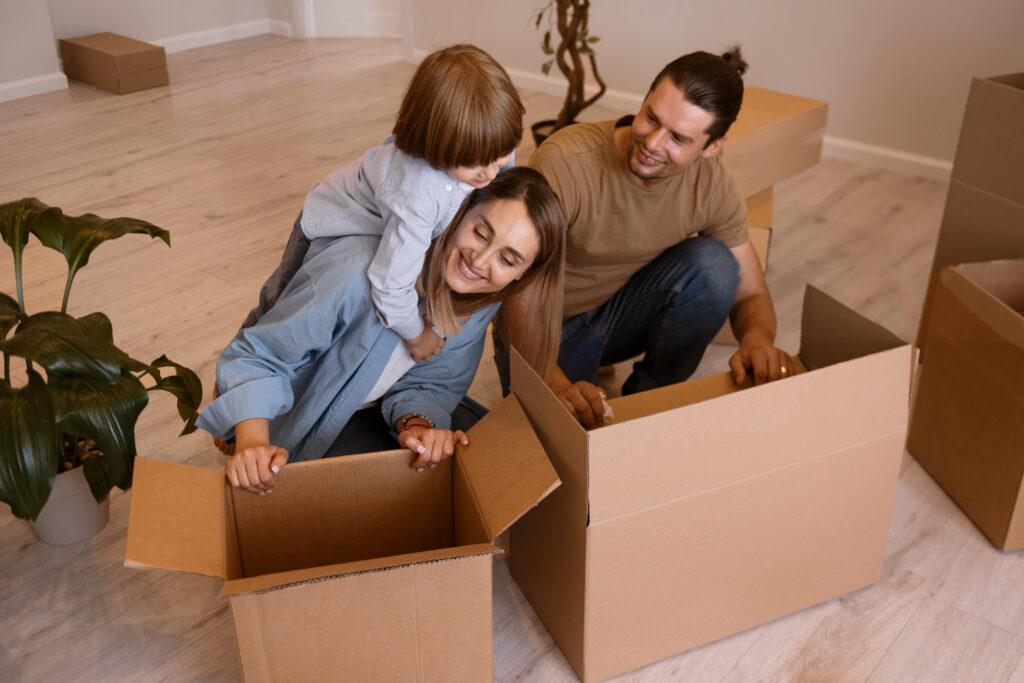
x,y
774,137
984,215
705,509
114,62
967,429
355,568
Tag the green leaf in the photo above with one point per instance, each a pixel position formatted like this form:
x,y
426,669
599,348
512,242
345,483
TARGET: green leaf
x,y
77,236
546,67
539,18
30,446
107,414
183,385
67,346
593,39
545,44
15,219
10,314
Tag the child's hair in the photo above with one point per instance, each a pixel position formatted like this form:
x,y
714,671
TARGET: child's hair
x,y
543,279
460,109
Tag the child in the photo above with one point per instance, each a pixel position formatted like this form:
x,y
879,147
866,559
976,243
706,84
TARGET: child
x,y
459,123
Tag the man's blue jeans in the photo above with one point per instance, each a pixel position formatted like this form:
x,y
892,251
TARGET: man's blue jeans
x,y
669,311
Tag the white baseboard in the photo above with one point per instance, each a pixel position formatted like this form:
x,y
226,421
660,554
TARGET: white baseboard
x,y
224,34
888,158
36,85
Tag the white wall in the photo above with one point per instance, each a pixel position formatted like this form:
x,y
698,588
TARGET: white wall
x,y
28,53
895,74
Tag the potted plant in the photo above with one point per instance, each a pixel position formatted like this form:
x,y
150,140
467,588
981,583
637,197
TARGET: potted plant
x,y
74,413
569,19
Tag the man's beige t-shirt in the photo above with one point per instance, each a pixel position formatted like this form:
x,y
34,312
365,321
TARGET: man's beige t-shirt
x,y
616,225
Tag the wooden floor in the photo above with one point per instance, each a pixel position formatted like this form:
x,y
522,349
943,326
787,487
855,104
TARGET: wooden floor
x,y
223,158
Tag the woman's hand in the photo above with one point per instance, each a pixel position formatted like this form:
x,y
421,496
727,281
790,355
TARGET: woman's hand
x,y
255,461
253,468
433,445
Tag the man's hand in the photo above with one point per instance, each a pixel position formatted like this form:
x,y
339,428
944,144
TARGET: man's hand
x,y
761,361
425,346
585,401
432,445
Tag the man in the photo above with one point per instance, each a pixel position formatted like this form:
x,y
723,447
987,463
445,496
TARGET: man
x,y
657,250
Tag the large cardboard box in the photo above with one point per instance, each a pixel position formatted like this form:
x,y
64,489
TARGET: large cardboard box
x,y
705,509
356,568
113,62
984,215
967,429
774,137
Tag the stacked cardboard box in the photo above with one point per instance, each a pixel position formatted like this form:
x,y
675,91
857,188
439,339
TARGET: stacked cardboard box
x,y
115,63
984,215
967,429
704,509
355,568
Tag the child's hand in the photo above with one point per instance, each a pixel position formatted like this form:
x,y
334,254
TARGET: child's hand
x,y
425,346
433,445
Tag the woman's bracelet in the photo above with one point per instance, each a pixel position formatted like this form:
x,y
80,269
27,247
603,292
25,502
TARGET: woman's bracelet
x,y
420,421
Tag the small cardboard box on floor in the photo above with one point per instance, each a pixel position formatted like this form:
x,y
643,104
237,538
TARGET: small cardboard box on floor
x,y
705,509
967,428
113,62
984,215
355,568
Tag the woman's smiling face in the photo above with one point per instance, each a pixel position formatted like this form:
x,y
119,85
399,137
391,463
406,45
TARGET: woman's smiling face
x,y
495,243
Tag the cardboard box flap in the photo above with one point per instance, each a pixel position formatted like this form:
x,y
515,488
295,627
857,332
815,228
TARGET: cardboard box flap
x,y
278,580
180,519
969,315
506,467
990,148
832,333
1003,280
562,437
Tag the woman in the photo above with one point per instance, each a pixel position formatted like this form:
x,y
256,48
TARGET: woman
x,y
288,385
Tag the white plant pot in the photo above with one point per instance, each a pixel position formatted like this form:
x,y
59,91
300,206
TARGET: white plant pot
x,y
71,514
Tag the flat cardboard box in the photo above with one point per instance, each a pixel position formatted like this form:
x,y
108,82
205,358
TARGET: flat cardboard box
x,y
984,215
705,509
774,137
967,428
113,62
355,568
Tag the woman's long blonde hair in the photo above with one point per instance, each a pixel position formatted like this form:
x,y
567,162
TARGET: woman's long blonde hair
x,y
542,281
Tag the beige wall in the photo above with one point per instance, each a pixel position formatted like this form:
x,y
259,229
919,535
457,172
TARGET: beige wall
x,y
896,74
149,20
28,52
